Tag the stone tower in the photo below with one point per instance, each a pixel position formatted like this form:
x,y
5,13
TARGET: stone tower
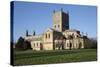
x,y
60,20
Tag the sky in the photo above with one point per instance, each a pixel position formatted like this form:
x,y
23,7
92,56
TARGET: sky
x,y
37,17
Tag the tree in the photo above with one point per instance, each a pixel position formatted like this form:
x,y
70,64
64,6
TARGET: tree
x,y
93,43
20,42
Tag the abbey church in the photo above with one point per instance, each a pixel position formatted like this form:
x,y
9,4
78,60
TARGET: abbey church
x,y
59,36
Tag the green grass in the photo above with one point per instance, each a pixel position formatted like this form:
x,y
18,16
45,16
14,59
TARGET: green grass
x,y
59,56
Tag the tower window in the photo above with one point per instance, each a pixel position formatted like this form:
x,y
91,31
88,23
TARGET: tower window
x,y
58,26
49,35
55,26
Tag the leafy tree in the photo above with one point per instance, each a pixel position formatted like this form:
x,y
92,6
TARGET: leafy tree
x,y
20,43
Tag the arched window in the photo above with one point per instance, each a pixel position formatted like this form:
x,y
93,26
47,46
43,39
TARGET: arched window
x,y
46,36
58,26
34,44
55,26
77,36
49,36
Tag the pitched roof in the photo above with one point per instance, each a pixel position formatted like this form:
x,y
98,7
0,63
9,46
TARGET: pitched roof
x,y
72,30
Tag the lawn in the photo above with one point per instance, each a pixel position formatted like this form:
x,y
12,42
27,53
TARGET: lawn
x,y
31,57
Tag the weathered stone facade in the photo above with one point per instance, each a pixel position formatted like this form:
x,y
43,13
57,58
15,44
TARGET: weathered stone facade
x,y
59,36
